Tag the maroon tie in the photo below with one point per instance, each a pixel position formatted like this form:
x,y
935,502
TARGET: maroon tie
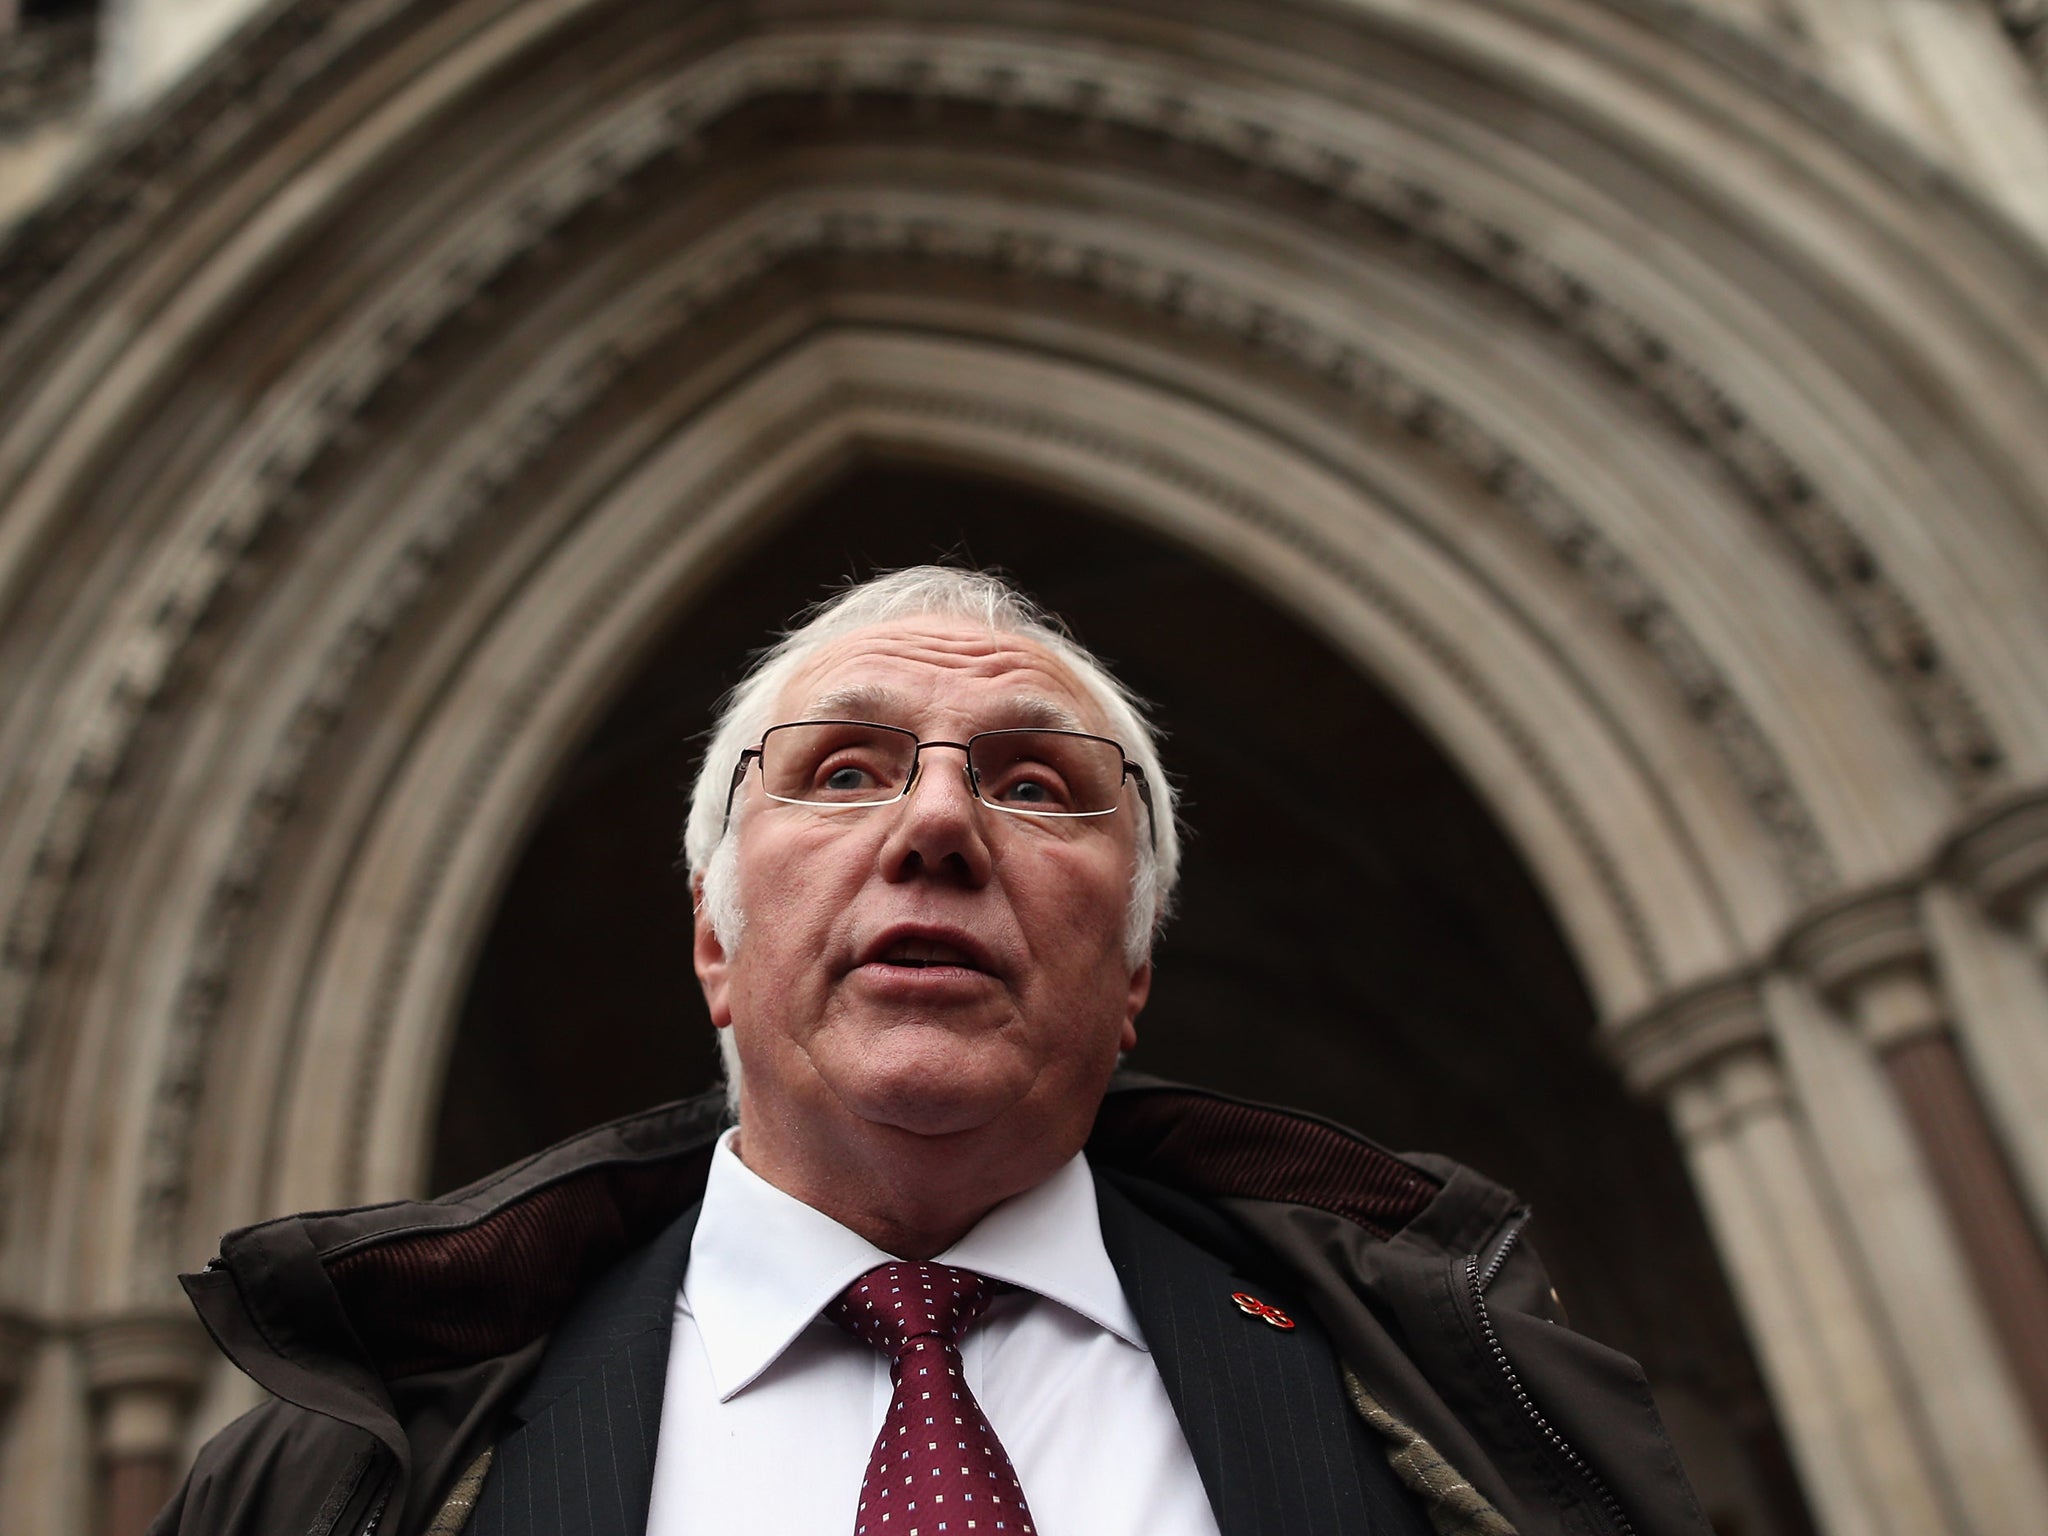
x,y
937,1466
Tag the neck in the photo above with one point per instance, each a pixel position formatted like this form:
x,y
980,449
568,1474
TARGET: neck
x,y
914,1207
914,1240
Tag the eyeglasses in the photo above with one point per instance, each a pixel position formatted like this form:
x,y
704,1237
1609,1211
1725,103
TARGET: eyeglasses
x,y
839,765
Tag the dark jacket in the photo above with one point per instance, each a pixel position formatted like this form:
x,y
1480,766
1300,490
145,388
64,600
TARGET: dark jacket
x,y
395,1338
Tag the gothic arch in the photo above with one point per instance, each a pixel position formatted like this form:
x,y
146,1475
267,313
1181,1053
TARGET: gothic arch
x,y
1588,379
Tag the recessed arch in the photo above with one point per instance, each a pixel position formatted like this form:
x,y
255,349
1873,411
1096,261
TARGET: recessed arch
x,y
396,932
1355,937
1663,436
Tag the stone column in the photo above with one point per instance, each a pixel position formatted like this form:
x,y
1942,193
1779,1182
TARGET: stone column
x,y
143,1370
1870,958
1707,1054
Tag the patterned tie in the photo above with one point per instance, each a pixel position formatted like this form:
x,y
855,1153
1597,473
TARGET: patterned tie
x,y
937,1466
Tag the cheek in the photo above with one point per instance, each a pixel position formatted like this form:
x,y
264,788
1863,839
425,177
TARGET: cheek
x,y
781,876
793,894
1074,903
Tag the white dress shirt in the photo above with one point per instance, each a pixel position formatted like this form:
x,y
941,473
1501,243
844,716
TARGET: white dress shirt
x,y
770,1410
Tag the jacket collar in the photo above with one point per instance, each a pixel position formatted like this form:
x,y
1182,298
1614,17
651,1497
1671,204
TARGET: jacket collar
x,y
321,1308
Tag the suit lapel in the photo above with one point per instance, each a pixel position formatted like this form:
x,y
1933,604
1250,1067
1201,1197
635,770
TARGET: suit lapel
x,y
1278,1447
579,1457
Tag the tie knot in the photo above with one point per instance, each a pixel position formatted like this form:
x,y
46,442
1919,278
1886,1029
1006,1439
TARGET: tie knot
x,y
892,1304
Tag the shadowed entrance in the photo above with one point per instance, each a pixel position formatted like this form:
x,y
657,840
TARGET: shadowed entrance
x,y
1356,936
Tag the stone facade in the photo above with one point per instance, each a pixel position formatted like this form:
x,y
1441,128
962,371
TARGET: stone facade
x,y
1647,396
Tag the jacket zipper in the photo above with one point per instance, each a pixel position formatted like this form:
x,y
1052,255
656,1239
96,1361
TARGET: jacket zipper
x,y
1477,1279
376,1516
360,1484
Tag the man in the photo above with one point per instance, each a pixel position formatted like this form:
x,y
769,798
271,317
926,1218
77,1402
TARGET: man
x,y
931,844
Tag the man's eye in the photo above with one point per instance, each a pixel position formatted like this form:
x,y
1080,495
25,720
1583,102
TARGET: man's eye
x,y
846,777
1037,790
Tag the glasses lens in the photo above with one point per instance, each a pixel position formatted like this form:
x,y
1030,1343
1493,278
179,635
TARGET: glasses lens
x,y
1049,773
835,762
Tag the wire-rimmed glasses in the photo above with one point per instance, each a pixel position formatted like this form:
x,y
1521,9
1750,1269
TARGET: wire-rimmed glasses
x,y
835,765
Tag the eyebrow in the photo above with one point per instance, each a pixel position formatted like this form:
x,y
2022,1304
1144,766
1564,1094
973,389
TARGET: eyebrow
x,y
884,706
1032,710
859,701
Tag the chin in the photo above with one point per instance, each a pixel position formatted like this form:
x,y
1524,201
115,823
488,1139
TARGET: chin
x,y
916,1108
930,1092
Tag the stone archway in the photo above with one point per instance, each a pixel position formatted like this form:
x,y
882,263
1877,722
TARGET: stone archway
x,y
1585,383
1355,938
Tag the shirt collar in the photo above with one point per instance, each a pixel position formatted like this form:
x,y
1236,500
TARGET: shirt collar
x,y
763,1264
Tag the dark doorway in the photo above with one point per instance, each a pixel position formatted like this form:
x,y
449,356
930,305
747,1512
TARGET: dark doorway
x,y
1356,934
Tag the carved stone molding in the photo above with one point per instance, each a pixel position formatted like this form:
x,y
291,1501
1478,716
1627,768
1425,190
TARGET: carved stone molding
x,y
154,1349
557,400
1850,939
1868,954
231,100
1253,510
303,422
175,1103
143,1369
1243,504
2001,857
217,111
1155,101
1688,1032
298,425
1894,638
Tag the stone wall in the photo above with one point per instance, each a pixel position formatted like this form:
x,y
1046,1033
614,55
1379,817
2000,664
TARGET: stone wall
x,y
1646,399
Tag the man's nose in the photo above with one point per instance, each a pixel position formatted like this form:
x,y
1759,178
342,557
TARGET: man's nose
x,y
940,826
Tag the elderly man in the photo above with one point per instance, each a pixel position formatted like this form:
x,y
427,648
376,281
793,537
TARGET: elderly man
x,y
931,844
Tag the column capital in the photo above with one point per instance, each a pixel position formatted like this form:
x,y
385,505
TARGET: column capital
x,y
1868,954
2000,855
1851,940
156,1350
1688,1030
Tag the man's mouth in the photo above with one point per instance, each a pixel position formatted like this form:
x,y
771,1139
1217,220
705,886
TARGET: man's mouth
x,y
922,953
928,952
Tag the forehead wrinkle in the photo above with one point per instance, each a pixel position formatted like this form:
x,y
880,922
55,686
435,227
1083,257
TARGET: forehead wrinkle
x,y
988,662
885,706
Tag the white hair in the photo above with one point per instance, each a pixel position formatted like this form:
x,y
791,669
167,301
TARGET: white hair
x,y
919,592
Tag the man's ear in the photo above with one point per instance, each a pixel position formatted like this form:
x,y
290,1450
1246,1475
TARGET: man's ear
x,y
714,969
1141,989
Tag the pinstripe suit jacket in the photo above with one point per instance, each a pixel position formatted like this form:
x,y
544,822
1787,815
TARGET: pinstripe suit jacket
x,y
1278,1448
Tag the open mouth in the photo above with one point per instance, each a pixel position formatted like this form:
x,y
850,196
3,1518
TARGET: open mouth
x,y
914,949
927,954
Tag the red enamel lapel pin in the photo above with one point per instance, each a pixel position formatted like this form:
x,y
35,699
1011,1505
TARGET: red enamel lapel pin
x,y
1252,1306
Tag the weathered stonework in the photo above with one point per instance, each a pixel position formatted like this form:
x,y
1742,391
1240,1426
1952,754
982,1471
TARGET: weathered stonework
x,y
1253,144
304,423
1690,1032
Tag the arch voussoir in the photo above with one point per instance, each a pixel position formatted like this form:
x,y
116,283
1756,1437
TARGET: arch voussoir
x,y
1506,418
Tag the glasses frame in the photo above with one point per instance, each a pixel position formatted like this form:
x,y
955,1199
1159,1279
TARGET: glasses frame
x,y
1132,772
